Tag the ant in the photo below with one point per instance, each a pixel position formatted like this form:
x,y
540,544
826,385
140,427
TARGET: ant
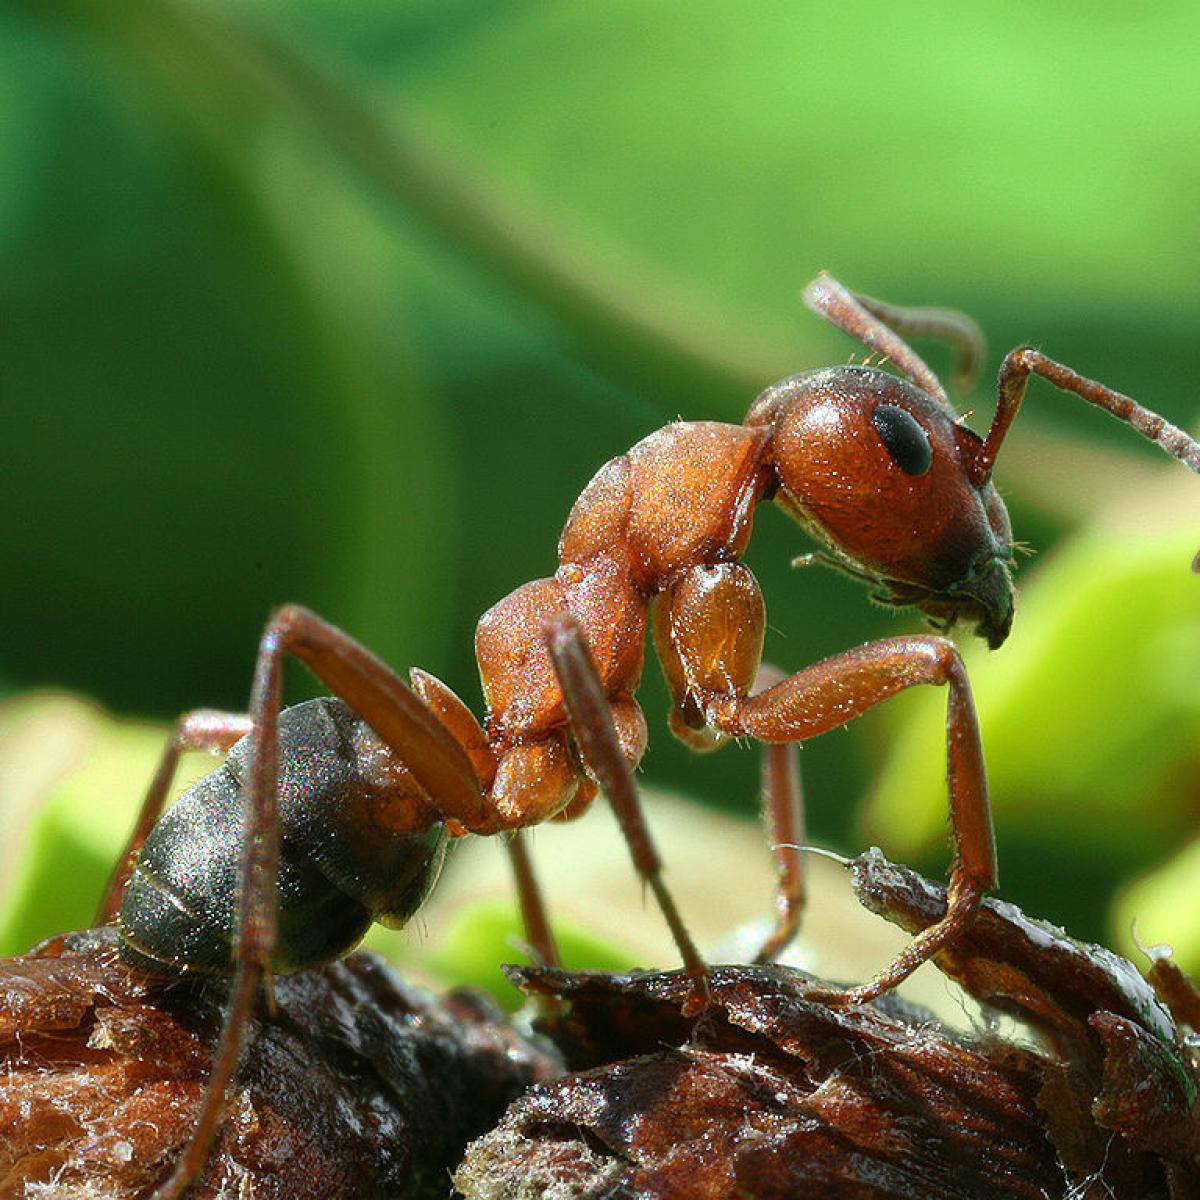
x,y
347,803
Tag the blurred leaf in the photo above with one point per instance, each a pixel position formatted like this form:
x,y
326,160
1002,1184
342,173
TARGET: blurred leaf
x,y
1161,907
225,414
344,304
470,951
749,147
70,781
236,69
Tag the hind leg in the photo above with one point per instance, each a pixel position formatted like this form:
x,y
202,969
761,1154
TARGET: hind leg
x,y
202,729
434,757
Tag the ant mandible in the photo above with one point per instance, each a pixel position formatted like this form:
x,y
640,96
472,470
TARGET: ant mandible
x,y
876,466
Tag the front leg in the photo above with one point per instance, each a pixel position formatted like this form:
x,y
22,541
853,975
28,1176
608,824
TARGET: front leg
x,y
709,631
833,692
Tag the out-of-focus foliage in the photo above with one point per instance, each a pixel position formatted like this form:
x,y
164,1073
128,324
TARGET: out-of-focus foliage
x,y
1160,907
343,303
71,777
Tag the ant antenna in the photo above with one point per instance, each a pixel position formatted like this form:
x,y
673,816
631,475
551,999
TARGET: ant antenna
x,y
882,327
1010,391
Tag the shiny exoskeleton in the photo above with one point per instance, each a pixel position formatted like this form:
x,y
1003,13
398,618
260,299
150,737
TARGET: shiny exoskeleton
x,y
359,843
874,464
659,532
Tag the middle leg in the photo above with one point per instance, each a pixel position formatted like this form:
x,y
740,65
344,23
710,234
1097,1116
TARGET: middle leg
x,y
600,748
783,815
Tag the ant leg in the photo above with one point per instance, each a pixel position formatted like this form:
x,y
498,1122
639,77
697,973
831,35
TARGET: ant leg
x,y
832,692
373,690
783,811
405,725
600,748
203,729
256,912
533,907
783,815
724,598
1019,364
878,326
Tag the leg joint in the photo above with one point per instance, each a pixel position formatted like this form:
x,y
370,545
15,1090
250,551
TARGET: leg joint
x,y
724,713
285,620
946,661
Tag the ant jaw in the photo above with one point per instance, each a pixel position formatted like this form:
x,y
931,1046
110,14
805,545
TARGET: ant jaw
x,y
993,629
985,599
997,633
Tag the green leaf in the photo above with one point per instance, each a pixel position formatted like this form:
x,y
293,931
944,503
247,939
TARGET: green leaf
x,y
344,304
71,779
469,952
1160,907
214,402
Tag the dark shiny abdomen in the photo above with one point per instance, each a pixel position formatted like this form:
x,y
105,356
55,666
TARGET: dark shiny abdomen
x,y
359,844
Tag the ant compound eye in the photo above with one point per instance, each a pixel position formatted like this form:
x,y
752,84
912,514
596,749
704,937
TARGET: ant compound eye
x,y
904,438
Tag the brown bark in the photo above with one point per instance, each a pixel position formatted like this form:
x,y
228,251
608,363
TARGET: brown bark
x,y
782,1091
357,1087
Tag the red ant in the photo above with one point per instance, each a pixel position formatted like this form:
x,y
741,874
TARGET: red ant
x,y
876,466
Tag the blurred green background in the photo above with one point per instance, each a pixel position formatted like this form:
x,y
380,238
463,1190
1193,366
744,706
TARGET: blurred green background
x,y
343,302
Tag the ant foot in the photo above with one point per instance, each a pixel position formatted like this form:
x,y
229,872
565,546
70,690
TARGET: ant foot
x,y
701,994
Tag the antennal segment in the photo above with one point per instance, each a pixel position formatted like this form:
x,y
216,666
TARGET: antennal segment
x,y
882,327
1019,364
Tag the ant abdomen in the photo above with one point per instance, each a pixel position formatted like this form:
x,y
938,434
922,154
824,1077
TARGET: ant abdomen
x,y
360,843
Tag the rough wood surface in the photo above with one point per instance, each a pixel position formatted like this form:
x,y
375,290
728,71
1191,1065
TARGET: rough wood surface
x,y
779,1091
358,1087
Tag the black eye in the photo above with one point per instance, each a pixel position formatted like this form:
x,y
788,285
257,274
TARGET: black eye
x,y
904,438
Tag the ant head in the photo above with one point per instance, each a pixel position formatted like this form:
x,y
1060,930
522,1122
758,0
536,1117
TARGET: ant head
x,y
882,474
